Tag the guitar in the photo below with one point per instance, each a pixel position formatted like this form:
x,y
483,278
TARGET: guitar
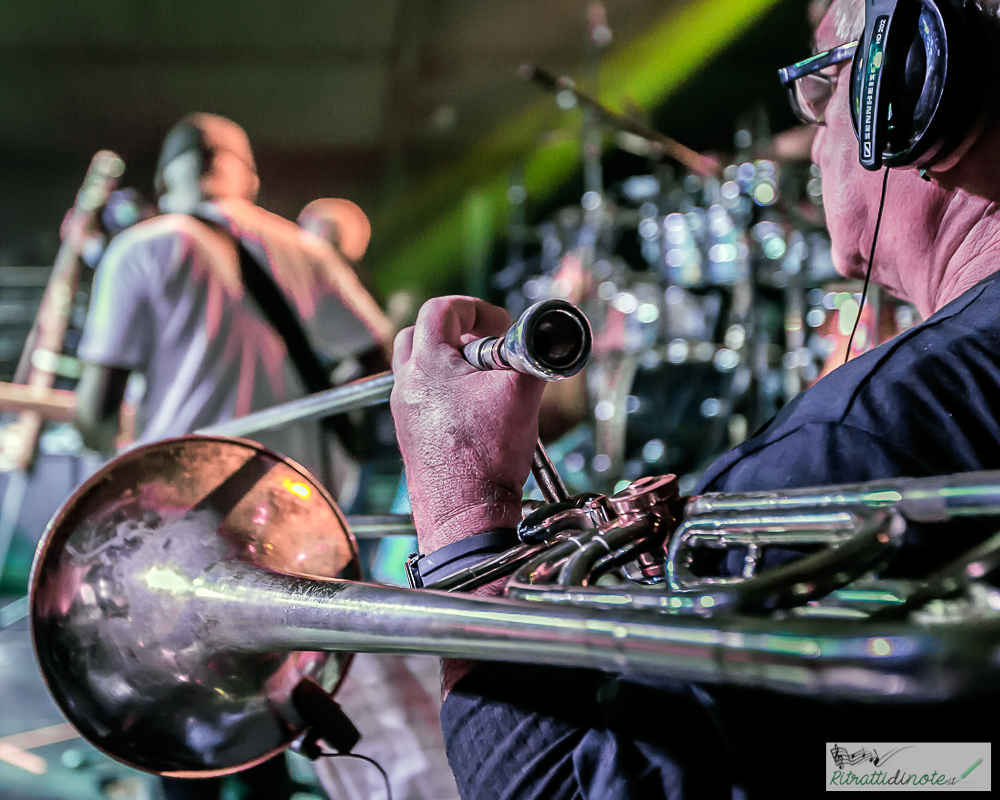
x,y
45,343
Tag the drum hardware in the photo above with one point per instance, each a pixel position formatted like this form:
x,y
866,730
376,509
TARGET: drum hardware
x,y
690,159
727,271
795,366
610,386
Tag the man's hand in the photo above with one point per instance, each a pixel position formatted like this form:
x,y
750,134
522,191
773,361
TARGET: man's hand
x,y
467,437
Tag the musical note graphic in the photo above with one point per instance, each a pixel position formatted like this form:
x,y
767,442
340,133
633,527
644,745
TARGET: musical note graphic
x,y
841,756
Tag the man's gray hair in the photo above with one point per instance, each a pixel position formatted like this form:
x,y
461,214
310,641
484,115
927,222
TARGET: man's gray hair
x,y
849,16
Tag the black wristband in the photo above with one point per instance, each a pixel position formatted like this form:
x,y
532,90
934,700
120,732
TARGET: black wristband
x,y
422,571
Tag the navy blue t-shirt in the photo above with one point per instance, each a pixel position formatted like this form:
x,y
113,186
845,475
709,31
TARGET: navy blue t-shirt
x,y
922,404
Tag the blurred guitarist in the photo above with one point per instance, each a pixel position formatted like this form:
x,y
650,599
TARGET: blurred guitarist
x,y
215,302
187,299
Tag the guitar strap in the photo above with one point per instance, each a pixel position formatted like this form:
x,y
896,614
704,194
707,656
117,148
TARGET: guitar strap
x,y
279,312
283,318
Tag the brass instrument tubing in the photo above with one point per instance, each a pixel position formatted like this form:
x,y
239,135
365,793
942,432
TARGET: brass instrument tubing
x,y
359,394
578,567
252,609
549,482
375,526
635,596
793,528
524,355
570,556
933,499
630,551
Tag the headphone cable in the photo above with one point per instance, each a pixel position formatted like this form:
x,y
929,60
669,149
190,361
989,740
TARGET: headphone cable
x,y
871,260
372,761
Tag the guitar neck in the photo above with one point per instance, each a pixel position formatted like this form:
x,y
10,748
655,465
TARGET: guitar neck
x,y
49,331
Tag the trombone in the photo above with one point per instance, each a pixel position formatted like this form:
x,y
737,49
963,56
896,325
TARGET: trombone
x,y
195,603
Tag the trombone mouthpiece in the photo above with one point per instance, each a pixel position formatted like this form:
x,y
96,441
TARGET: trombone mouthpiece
x,y
551,340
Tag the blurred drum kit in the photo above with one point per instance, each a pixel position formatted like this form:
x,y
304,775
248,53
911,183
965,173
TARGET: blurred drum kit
x,y
711,291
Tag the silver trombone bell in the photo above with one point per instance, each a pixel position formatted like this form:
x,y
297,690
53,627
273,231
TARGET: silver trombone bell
x,y
137,668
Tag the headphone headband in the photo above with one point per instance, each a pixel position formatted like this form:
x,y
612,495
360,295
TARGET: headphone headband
x,y
874,104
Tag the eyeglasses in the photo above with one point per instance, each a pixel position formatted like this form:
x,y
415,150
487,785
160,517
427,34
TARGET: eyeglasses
x,y
810,83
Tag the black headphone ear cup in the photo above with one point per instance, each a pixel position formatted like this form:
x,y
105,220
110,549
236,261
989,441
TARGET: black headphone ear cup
x,y
920,76
932,102
913,88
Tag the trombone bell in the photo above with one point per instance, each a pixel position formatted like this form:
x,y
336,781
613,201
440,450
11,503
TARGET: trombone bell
x,y
132,666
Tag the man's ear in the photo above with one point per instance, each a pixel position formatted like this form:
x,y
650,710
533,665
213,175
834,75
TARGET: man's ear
x,y
254,188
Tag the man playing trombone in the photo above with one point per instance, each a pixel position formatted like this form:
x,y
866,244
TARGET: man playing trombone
x,y
923,404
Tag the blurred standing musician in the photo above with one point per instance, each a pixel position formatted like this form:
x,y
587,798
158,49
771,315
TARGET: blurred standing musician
x,y
341,223
925,403
346,229
169,301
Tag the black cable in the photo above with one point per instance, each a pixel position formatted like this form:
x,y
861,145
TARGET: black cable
x,y
372,761
868,272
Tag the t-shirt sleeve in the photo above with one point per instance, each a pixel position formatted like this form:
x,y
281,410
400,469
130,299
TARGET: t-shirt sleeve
x,y
348,321
119,327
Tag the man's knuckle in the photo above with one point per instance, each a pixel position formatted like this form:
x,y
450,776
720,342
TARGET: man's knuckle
x,y
400,339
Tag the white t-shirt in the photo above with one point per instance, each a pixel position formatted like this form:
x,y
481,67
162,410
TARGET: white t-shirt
x,y
168,302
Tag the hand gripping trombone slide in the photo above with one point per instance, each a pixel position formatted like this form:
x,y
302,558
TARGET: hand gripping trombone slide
x,y
187,595
550,340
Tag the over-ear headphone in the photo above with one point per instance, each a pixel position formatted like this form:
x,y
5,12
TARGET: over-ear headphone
x,y
917,81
